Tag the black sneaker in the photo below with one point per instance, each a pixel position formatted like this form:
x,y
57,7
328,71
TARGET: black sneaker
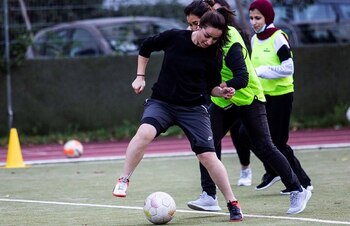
x,y
267,181
285,192
235,211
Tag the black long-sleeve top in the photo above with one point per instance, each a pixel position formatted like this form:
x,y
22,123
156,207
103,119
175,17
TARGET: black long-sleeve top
x,y
188,73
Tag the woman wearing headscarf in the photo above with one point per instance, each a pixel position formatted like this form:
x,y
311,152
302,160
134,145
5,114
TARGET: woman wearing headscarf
x,y
273,61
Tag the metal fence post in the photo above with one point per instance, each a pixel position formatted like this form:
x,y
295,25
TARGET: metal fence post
x,y
7,65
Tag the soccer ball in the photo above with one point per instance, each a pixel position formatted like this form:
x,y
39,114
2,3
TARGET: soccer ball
x,y
73,149
348,114
159,208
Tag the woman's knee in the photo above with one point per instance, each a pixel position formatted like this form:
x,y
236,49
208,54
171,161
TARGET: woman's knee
x,y
146,132
207,158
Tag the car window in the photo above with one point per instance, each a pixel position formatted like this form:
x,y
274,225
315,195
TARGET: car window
x,y
112,36
166,25
128,37
318,12
119,36
52,43
345,10
281,14
318,23
144,30
313,13
83,44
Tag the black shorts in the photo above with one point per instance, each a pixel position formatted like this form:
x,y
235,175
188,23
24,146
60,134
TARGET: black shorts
x,y
193,120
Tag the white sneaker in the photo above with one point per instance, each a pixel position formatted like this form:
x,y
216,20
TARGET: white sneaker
x,y
205,203
298,201
121,187
245,177
310,188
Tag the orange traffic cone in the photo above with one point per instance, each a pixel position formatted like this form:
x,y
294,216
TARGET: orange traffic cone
x,y
14,154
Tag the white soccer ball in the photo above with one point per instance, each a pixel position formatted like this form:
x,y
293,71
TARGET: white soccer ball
x,y
348,114
159,208
73,149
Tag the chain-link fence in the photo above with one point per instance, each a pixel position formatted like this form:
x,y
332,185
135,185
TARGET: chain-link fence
x,y
26,17
21,19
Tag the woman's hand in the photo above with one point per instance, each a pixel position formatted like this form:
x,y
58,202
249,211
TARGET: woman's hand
x,y
225,92
138,84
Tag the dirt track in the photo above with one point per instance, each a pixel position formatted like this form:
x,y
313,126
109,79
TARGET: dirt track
x,y
303,139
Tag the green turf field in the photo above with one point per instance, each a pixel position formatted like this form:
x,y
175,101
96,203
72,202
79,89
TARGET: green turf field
x,y
81,193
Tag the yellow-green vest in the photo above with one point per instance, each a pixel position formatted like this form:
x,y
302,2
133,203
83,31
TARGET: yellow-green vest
x,y
264,54
244,96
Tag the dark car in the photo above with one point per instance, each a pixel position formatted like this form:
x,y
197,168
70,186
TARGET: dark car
x,y
323,22
95,37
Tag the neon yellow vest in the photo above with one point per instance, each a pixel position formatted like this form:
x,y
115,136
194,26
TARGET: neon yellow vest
x,y
263,53
244,96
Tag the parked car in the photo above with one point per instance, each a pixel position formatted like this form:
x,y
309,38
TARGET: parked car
x,y
323,22
95,37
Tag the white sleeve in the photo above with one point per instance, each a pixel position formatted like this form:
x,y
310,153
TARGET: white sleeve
x,y
270,72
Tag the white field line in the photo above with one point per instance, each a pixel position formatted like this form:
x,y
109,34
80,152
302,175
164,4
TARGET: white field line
x,y
179,211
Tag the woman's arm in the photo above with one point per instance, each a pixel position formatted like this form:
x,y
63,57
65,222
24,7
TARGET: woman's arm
x,y
235,61
139,83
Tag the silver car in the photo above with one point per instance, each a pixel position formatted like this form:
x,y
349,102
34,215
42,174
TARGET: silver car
x,y
96,37
323,22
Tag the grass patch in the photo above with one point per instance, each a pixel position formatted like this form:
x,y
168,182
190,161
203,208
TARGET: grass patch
x,y
91,183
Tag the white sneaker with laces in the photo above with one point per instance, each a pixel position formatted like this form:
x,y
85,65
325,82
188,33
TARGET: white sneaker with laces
x,y
298,201
121,187
205,203
245,178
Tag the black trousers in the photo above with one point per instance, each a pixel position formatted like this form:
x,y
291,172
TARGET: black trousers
x,y
239,139
253,118
279,110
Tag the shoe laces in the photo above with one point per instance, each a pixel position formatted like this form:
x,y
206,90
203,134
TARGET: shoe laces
x,y
123,182
244,173
294,197
204,195
234,208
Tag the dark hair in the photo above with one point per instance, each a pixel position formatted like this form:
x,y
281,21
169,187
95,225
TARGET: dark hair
x,y
198,7
217,19
227,13
223,3
231,21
